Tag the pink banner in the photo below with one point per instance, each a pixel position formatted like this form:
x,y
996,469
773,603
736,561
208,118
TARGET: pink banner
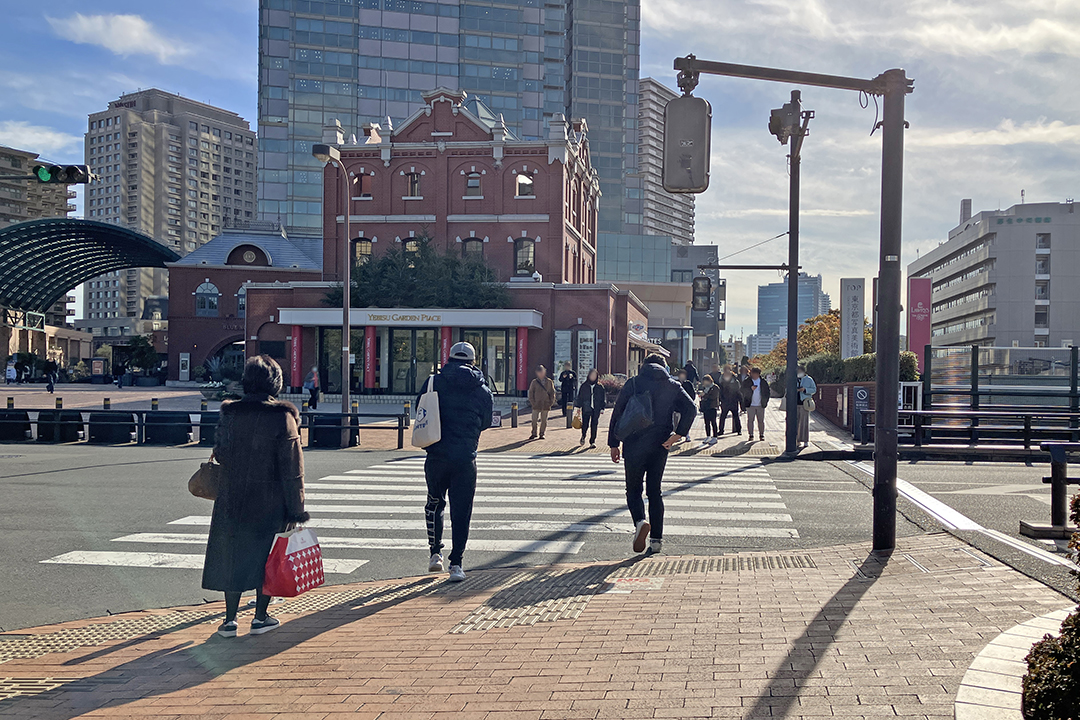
x,y
523,358
447,341
296,358
918,319
369,356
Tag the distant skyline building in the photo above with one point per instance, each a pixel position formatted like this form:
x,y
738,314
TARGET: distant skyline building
x,y
369,61
175,169
772,304
759,344
22,200
663,213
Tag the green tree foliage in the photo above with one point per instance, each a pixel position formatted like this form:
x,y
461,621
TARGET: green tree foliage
x,y
143,354
820,335
423,278
829,368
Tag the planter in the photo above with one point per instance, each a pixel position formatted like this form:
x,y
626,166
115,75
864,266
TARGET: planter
x,y
147,382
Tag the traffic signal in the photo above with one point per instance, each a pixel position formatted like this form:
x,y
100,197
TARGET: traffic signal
x,y
783,122
687,131
702,298
63,174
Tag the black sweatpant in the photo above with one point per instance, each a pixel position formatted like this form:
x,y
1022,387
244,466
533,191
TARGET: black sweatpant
x,y
710,422
645,469
313,398
736,421
453,476
567,401
590,420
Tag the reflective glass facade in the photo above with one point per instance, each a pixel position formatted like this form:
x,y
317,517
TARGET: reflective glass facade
x,y
633,258
361,61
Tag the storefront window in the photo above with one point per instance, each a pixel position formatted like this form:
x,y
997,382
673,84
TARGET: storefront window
x,y
494,356
525,256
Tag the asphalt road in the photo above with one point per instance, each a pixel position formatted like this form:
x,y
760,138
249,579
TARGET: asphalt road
x,y
90,530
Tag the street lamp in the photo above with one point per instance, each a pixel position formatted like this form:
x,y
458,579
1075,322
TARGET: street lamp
x,y
328,154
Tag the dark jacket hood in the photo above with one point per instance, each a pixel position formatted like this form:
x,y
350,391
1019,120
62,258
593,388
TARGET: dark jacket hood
x,y
461,376
648,371
262,400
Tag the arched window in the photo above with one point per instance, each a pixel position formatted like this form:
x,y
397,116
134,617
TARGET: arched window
x,y
524,256
206,300
472,185
362,250
472,248
413,180
363,185
241,302
524,187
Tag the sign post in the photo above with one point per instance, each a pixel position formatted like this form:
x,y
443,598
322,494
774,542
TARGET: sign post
x,y
852,316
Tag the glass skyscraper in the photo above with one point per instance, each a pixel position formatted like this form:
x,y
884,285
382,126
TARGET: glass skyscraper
x,y
360,61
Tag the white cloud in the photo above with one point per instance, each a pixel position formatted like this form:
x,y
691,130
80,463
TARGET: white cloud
x,y
36,138
1006,133
123,35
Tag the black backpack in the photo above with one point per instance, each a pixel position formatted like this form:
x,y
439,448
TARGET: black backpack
x,y
636,416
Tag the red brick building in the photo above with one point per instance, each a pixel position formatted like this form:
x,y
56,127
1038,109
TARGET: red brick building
x,y
452,173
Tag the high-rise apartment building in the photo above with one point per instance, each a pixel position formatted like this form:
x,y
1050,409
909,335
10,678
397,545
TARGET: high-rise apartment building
x,y
175,169
663,213
22,200
368,61
772,304
1006,278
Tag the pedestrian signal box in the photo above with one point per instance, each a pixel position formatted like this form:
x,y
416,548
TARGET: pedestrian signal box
x,y
687,131
702,300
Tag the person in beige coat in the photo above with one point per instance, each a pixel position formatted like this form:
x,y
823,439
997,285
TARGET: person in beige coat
x,y
541,398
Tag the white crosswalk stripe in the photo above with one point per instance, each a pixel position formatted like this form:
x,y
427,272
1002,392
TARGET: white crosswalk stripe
x,y
548,505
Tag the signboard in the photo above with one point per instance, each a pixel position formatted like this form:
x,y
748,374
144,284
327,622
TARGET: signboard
x,y
852,315
447,337
564,349
862,403
296,357
369,357
496,418
185,367
522,359
586,351
919,313
97,366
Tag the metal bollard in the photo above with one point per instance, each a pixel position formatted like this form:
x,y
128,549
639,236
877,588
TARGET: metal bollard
x,y
355,406
10,403
202,405
1059,490
569,419
407,412
153,404
59,403
106,403
304,406
513,415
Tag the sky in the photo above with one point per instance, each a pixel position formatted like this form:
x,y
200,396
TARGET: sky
x,y
993,111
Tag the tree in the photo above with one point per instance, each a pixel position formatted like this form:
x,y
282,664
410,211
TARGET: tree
x,y
423,277
143,355
818,335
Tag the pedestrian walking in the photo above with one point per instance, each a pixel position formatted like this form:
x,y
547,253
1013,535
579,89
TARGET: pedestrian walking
x,y
257,443
11,374
541,398
688,387
50,369
730,401
568,385
465,407
807,388
710,404
691,373
592,399
312,385
650,401
755,391
716,373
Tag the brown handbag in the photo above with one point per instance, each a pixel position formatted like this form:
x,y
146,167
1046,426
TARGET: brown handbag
x,y
206,480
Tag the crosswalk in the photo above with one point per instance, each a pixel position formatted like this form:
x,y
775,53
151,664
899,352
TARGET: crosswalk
x,y
551,506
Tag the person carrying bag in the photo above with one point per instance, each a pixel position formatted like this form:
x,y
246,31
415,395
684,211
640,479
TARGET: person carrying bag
x,y
590,403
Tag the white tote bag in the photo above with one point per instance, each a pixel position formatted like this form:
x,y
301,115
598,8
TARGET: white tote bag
x,y
427,430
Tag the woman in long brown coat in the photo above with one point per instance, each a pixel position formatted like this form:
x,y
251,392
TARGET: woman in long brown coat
x,y
257,442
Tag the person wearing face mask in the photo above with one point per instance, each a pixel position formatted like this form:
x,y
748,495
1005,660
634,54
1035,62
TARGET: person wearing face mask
x,y
710,404
755,391
592,399
730,401
807,388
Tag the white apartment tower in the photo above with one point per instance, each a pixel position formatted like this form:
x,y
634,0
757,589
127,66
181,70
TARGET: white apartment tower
x,y
664,213
175,169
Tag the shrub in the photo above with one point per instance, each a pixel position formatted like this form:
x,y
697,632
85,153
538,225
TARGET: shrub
x,y
825,367
79,372
612,385
1052,684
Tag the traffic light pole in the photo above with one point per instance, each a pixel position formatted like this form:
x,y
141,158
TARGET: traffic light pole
x,y
791,425
893,85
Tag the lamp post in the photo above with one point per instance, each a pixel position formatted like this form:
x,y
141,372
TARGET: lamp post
x,y
330,154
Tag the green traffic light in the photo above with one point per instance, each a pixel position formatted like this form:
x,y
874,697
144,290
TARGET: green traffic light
x,y
43,174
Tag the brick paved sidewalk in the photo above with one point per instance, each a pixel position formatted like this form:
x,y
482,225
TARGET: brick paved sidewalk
x,y
750,635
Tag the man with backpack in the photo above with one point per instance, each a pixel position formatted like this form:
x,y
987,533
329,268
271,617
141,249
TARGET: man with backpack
x,y
642,424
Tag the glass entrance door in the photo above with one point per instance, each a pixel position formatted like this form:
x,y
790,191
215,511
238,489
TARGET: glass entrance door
x,y
494,355
412,359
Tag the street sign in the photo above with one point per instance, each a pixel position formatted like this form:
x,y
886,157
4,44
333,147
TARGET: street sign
x,y
687,138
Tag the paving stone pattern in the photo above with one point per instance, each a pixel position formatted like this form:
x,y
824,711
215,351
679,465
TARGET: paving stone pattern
x,y
799,640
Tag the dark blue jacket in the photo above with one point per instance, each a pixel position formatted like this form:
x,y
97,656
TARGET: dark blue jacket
x,y
465,409
668,398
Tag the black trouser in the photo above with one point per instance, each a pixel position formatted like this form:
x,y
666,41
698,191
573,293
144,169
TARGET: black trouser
x,y
736,421
50,382
710,422
567,401
313,398
645,468
454,476
232,605
590,420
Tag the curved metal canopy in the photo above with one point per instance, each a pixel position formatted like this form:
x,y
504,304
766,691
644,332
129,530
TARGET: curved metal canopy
x,y
41,260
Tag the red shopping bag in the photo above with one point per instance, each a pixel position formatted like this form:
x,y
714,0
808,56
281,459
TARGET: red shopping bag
x,y
295,564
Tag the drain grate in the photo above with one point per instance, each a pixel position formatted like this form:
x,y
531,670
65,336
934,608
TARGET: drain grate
x,y
723,563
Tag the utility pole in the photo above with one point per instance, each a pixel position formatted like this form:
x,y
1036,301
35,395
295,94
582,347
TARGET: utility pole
x,y
791,425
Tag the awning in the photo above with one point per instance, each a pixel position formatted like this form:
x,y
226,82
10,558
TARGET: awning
x,y
651,347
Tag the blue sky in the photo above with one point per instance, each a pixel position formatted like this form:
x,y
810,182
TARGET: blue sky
x,y
994,110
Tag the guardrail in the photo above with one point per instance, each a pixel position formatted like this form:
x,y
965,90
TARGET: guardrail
x,y
1003,425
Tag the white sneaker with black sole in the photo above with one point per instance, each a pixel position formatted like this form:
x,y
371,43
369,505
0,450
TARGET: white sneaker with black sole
x,y
655,546
435,564
258,627
456,574
227,629
641,535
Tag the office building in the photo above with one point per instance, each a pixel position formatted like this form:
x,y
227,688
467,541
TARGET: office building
x,y
22,200
772,304
175,169
1006,278
734,350
708,324
370,61
663,213
761,344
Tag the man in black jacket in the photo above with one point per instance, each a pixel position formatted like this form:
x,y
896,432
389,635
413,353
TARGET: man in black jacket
x,y
465,409
568,385
730,401
646,450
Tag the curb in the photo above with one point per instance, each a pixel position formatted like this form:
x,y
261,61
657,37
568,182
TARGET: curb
x,y
991,688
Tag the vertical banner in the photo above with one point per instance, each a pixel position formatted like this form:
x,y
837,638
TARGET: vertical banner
x,y
447,342
296,357
522,360
564,351
918,320
852,314
369,356
586,351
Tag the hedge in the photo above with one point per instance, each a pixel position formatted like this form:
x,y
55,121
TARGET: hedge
x,y
828,368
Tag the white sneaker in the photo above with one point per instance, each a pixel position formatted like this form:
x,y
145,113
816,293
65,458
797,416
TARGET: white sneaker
x,y
655,546
435,564
713,441
641,535
456,574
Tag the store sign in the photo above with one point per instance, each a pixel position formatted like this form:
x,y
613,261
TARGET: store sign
x,y
586,351
122,104
918,320
522,358
97,366
296,357
564,349
404,318
369,357
852,316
